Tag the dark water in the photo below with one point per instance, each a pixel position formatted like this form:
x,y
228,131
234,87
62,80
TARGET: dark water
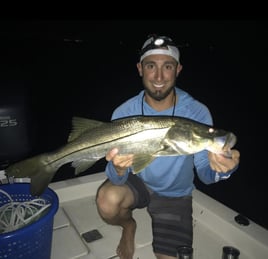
x,y
88,68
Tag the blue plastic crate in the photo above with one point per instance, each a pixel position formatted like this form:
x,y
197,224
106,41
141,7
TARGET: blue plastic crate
x,y
33,241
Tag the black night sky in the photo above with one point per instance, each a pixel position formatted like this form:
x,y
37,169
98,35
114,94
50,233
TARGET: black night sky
x,y
85,68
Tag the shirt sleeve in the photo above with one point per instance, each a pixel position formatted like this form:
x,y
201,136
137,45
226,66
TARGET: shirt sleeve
x,y
113,176
204,171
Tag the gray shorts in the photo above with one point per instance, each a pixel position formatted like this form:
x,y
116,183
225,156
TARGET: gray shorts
x,y
171,217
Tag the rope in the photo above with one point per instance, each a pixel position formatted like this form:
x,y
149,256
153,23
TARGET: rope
x,y
14,215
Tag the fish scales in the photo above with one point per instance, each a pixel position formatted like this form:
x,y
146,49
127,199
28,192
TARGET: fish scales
x,y
146,137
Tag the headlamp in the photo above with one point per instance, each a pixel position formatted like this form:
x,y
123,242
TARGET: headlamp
x,y
155,42
159,45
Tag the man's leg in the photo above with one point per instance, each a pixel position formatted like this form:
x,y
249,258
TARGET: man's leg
x,y
171,224
115,204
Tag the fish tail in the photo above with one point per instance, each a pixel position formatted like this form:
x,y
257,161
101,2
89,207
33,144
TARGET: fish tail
x,y
35,168
40,181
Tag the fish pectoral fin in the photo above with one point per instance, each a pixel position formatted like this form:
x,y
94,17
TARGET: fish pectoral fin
x,y
140,161
82,165
170,152
175,147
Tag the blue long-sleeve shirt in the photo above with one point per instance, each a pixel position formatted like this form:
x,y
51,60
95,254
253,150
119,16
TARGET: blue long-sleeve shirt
x,y
170,175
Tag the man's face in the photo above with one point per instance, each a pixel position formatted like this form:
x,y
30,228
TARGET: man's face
x,y
159,73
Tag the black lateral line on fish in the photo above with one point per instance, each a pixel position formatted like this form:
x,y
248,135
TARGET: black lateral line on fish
x,y
88,147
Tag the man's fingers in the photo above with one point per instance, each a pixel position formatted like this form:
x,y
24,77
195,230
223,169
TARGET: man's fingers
x,y
110,155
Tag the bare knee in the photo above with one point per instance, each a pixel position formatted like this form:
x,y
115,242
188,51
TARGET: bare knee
x,y
114,200
108,201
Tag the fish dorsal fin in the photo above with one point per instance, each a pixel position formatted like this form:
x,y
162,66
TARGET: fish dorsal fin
x,y
80,125
140,161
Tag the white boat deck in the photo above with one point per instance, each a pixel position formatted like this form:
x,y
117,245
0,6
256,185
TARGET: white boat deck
x,y
214,227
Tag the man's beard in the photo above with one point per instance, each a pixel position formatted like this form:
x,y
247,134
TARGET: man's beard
x,y
158,95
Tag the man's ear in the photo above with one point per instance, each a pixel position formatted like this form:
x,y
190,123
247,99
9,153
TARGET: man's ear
x,y
139,67
179,69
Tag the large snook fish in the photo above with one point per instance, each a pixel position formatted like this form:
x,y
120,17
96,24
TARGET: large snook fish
x,y
147,137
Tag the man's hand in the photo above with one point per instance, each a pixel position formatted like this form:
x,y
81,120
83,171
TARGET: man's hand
x,y
222,164
120,162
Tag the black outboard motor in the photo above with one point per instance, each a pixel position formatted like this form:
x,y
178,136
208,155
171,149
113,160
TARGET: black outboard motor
x,y
14,125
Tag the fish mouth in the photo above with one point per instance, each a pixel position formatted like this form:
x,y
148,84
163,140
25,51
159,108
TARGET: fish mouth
x,y
230,141
226,142
223,144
